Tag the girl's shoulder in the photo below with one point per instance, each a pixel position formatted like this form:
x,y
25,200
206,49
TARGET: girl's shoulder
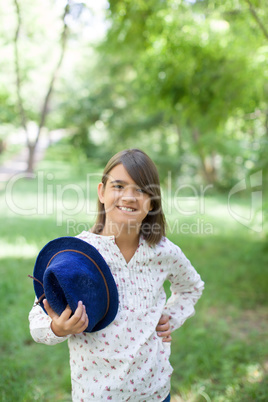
x,y
167,247
172,254
85,235
94,238
165,242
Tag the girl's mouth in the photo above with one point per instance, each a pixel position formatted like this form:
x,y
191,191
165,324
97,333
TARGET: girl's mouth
x,y
127,209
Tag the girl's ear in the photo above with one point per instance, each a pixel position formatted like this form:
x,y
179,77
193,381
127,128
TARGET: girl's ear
x,y
101,192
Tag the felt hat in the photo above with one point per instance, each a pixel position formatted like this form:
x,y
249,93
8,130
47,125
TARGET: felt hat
x,y
67,270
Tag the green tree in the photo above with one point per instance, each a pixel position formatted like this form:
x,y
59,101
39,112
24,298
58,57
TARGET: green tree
x,y
182,80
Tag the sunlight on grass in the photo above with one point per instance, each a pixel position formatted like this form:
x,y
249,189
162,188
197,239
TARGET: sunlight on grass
x,y
20,249
211,216
255,373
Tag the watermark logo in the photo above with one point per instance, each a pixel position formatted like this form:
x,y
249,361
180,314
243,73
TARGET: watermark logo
x,y
252,216
187,204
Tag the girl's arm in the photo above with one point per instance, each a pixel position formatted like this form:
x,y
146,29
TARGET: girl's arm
x,y
186,288
40,327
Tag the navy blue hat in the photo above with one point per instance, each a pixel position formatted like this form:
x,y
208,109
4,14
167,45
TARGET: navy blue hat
x,y
67,270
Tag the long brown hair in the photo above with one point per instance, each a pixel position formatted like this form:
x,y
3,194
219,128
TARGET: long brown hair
x,y
144,173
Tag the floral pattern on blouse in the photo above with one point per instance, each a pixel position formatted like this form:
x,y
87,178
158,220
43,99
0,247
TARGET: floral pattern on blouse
x,y
128,361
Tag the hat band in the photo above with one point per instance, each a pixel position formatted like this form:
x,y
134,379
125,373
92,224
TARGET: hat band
x,y
96,265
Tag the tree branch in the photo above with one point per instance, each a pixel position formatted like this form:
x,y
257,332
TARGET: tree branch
x,y
257,19
44,111
17,71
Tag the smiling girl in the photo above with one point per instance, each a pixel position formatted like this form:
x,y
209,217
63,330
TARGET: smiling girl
x,y
129,359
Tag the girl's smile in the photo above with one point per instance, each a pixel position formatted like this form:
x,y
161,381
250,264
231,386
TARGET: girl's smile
x,y
127,209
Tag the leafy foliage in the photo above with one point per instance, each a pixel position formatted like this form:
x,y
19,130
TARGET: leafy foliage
x,y
184,80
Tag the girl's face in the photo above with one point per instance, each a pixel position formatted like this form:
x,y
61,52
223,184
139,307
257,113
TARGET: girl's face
x,y
124,202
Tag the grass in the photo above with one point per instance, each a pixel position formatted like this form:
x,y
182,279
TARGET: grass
x,y
221,354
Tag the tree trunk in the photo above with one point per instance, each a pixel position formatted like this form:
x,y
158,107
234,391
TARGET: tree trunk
x,y
207,162
257,19
44,111
180,149
31,157
266,123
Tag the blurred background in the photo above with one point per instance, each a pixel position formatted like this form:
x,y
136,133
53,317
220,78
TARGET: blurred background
x,y
184,80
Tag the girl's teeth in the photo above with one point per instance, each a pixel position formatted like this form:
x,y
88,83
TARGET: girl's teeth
x,y
126,209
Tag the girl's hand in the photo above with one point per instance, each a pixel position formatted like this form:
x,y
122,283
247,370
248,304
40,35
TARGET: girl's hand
x,y
63,325
163,328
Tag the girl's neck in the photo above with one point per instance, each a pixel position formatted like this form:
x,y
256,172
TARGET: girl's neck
x,y
125,235
126,247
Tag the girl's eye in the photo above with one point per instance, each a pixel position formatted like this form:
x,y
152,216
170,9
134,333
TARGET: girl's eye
x,y
118,186
140,190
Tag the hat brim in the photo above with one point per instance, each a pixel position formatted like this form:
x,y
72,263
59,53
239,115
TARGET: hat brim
x,y
73,243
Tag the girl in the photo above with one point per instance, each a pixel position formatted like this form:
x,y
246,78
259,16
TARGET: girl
x,y
129,359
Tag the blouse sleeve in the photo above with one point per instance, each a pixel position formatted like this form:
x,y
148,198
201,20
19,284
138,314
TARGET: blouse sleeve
x,y
186,288
40,328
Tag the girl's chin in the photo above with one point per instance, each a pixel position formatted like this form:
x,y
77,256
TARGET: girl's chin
x,y
127,221
124,222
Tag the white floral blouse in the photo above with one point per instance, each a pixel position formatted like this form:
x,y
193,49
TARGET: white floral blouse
x,y
127,361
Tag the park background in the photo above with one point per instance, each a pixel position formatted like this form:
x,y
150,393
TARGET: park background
x,y
186,81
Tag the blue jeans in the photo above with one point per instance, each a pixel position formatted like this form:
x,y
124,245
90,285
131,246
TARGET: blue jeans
x,y
167,399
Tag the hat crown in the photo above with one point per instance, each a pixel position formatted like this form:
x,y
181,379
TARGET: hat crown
x,y
71,278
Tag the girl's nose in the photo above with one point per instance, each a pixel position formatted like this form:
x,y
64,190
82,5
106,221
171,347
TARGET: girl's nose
x,y
129,195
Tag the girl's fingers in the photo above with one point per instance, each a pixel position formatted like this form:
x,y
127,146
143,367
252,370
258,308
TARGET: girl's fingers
x,y
66,314
163,328
65,324
79,319
164,333
52,314
78,313
164,319
167,339
163,324
83,323
84,319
